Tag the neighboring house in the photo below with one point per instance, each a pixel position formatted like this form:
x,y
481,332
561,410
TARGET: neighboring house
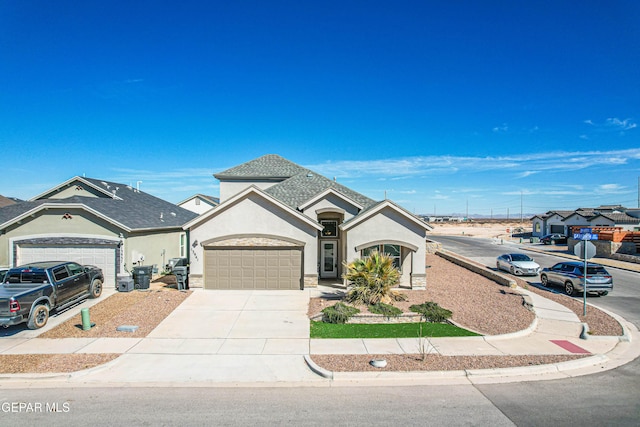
x,y
90,221
622,220
5,201
282,226
602,216
199,203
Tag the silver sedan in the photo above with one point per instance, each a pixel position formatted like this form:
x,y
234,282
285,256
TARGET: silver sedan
x,y
518,264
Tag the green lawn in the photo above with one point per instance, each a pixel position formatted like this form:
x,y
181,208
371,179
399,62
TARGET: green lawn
x,y
386,330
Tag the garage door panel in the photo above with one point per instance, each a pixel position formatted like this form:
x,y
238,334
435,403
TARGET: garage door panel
x,y
253,268
102,257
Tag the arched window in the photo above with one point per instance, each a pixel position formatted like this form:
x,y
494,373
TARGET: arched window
x,y
393,251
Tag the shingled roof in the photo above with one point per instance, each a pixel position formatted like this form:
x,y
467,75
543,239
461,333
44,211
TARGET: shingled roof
x,y
621,218
297,184
268,166
129,207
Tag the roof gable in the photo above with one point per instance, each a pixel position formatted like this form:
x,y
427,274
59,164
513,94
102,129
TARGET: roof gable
x,y
325,194
228,204
213,201
373,210
294,185
79,187
617,218
128,207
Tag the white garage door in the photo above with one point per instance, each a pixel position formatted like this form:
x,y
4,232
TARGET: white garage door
x,y
102,257
253,268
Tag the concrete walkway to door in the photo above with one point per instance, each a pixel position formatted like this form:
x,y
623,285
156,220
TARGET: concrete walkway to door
x,y
221,336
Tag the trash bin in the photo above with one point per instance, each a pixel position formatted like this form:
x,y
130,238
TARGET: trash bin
x,y
176,262
125,284
182,277
142,277
534,240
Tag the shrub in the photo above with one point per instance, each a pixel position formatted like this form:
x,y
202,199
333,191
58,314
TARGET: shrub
x,y
385,309
431,312
371,279
338,313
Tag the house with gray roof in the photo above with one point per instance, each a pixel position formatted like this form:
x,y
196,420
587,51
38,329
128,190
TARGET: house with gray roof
x,y
199,203
602,216
280,225
113,226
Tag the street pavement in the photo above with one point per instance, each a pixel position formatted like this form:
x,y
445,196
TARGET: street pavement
x,y
261,338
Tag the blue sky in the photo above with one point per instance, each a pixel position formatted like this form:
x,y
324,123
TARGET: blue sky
x,y
486,107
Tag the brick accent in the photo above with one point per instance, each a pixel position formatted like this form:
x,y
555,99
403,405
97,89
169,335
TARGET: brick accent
x,y
311,281
196,281
419,281
253,242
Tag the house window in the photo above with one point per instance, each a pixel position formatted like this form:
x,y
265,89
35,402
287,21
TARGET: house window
x,y
392,250
183,245
197,202
330,228
537,227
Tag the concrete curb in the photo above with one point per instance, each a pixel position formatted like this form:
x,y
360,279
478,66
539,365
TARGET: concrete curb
x,y
523,333
626,334
494,375
317,369
59,376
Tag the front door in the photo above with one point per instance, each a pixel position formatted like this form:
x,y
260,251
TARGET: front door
x,y
328,260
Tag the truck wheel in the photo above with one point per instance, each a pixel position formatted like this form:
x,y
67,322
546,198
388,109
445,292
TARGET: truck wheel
x,y
96,288
38,317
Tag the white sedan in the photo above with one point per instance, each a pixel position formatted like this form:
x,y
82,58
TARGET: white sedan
x,y
518,264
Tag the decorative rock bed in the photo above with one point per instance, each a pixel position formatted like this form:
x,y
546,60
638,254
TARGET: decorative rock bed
x,y
371,318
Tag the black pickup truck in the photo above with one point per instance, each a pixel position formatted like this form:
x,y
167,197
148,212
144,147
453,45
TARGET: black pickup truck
x,y
28,293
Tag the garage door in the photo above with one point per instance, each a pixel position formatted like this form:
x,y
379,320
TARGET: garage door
x,y
253,268
102,257
557,229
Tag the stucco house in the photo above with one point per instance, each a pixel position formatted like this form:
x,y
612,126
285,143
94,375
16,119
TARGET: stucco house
x,y
113,226
601,216
282,226
199,203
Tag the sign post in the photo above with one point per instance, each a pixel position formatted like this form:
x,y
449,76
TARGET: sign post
x,y
586,250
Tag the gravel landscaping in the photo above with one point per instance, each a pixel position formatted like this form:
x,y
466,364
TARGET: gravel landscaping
x,y
142,308
478,304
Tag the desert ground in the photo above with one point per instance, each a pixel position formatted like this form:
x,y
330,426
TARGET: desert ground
x,y
500,229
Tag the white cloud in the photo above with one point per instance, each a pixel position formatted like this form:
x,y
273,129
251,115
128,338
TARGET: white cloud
x,y
427,166
610,189
625,124
526,174
501,129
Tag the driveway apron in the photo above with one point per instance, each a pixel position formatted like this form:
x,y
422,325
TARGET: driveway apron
x,y
223,336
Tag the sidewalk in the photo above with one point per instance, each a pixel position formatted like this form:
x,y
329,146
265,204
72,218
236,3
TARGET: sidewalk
x,y
221,352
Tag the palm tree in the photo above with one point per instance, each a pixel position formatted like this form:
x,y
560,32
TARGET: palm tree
x,y
371,279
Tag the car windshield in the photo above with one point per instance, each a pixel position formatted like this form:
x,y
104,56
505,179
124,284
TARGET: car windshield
x,y
520,257
593,270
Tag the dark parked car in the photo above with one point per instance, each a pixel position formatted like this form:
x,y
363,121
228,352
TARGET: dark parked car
x,y
554,239
570,274
28,293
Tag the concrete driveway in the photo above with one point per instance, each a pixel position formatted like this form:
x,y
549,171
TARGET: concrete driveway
x,y
222,337
239,322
